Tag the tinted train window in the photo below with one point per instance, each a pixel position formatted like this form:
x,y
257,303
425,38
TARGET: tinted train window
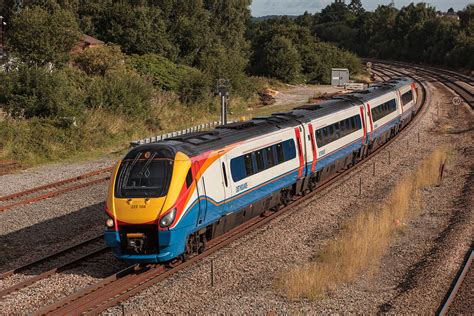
x,y
143,177
259,160
248,165
383,110
269,156
407,97
242,167
289,149
189,178
279,152
330,133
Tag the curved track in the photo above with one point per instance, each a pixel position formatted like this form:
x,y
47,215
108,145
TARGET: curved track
x,y
460,84
457,283
120,286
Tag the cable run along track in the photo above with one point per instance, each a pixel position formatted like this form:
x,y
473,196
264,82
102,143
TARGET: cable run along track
x,y
54,189
130,281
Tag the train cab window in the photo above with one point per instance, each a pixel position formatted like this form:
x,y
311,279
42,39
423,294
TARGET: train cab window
x,y
270,158
279,153
248,165
237,168
189,178
260,164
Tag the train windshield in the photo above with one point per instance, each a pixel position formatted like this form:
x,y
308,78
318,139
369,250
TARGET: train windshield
x,y
145,175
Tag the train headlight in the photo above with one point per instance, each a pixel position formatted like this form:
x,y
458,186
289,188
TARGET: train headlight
x,y
168,219
109,223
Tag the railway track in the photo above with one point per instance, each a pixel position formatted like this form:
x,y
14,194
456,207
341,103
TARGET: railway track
x,y
457,283
130,281
66,259
54,189
8,166
460,84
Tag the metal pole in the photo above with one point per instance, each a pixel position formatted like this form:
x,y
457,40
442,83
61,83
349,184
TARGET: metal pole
x,y
223,110
418,137
373,169
360,185
389,160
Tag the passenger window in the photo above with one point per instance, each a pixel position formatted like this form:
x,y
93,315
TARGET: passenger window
x,y
319,138
248,165
237,168
289,149
259,160
331,133
270,157
279,152
189,179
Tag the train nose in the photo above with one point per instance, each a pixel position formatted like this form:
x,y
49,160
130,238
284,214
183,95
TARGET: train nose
x,y
138,210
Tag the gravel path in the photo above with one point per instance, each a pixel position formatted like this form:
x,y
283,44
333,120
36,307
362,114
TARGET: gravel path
x,y
246,270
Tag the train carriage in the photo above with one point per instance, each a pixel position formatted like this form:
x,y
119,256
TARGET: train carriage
x,y
167,199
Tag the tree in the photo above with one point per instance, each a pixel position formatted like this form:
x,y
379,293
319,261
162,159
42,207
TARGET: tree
x,y
356,7
40,37
282,60
100,60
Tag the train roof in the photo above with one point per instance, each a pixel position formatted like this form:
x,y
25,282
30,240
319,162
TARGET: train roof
x,y
193,144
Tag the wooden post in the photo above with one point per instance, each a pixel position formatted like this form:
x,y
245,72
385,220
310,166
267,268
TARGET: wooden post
x,y
212,273
389,160
418,137
373,169
360,185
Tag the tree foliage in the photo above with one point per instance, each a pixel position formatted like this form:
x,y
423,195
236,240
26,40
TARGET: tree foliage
x,y
38,36
414,33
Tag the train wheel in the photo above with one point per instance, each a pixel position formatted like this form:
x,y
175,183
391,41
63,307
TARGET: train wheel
x,y
312,184
285,197
202,244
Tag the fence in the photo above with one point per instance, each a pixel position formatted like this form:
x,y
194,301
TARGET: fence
x,y
193,129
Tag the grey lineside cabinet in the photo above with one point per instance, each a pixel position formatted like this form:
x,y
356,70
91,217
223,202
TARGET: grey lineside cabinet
x,y
339,76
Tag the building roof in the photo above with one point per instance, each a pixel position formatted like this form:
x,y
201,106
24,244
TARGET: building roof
x,y
91,40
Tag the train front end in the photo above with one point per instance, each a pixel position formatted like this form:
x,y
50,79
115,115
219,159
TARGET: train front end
x,y
143,204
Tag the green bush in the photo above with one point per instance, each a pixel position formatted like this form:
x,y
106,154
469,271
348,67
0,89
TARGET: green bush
x,y
191,84
99,60
120,91
37,92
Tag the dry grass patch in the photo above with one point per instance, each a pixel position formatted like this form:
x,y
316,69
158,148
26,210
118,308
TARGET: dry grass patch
x,y
366,237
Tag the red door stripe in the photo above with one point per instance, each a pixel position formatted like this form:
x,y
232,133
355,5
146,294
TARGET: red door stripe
x,y
300,152
363,123
370,119
313,146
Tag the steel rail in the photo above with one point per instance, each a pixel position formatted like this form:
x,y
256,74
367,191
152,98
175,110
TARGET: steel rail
x,y
459,89
55,186
57,254
50,272
119,287
459,279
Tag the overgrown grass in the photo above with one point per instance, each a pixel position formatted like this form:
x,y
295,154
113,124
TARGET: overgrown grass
x,y
36,140
362,243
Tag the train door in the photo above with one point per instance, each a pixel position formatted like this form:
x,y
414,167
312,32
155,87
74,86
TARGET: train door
x,y
202,198
226,184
